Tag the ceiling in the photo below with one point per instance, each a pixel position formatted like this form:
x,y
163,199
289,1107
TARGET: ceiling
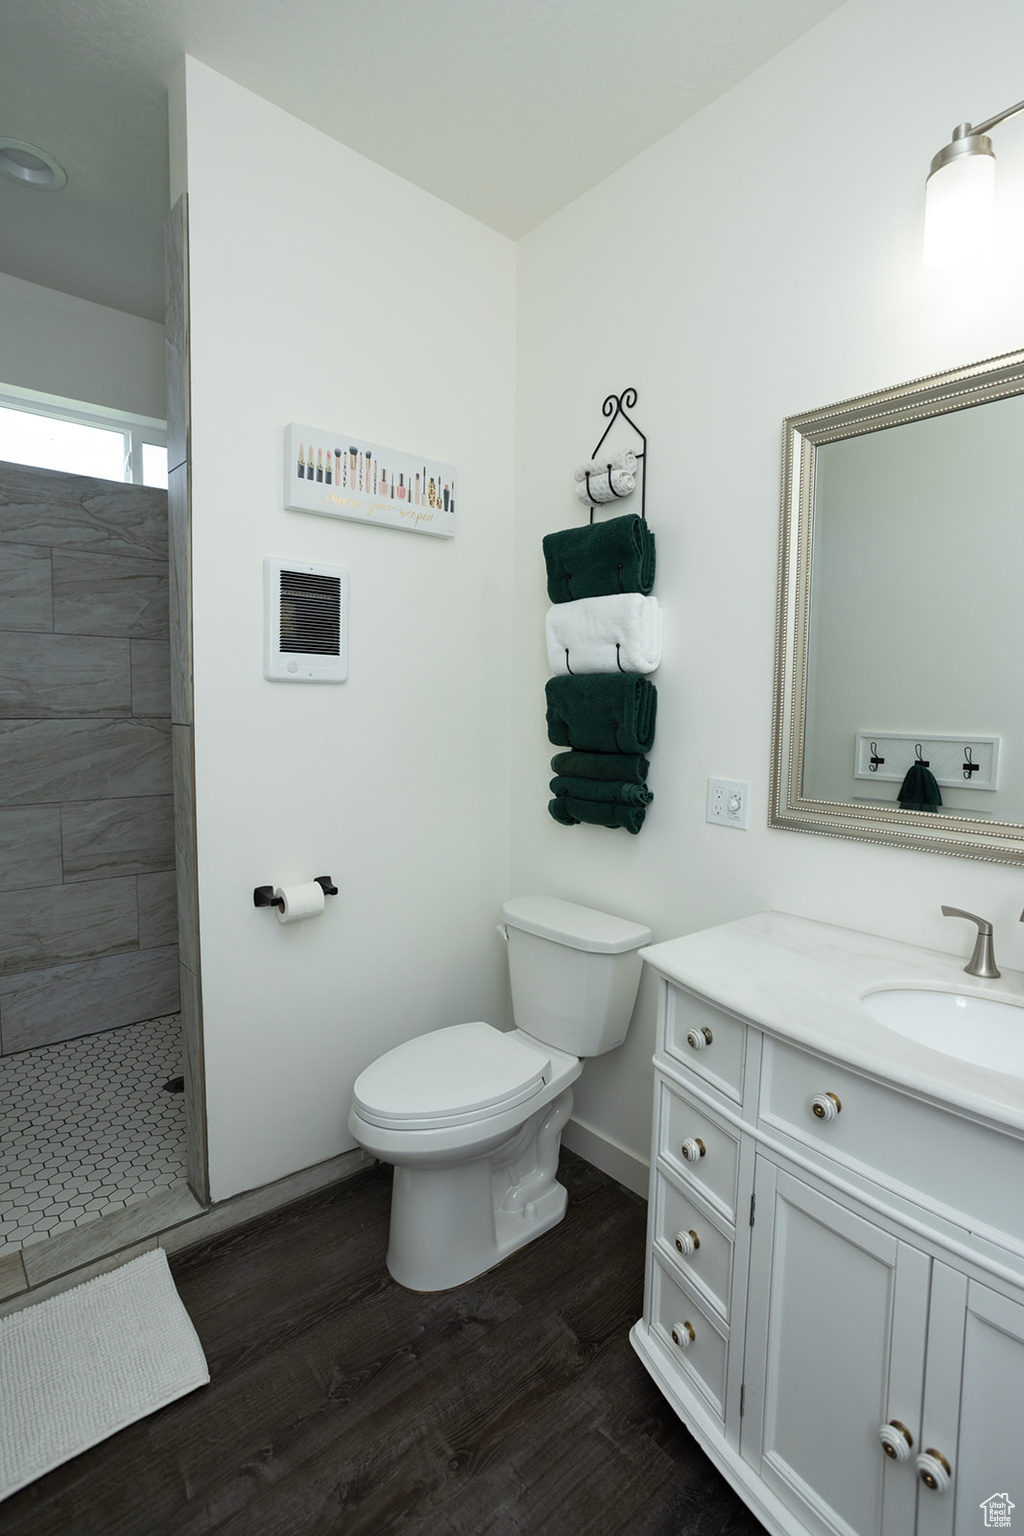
x,y
507,109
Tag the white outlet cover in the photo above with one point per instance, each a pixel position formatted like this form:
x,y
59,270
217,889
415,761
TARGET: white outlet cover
x,y
728,803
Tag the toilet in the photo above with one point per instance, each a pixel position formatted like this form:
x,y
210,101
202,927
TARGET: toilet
x,y
471,1117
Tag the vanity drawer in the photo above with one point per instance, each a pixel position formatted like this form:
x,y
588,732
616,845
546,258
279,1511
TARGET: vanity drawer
x,y
693,1243
921,1151
697,1345
712,1044
697,1148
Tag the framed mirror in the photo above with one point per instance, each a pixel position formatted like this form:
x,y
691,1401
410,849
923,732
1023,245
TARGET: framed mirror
x,y
900,629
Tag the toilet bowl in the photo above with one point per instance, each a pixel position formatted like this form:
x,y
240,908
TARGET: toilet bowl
x,y
471,1117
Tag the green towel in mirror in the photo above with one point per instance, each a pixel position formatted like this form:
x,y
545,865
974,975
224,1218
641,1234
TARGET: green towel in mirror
x,y
621,766
602,712
919,790
602,558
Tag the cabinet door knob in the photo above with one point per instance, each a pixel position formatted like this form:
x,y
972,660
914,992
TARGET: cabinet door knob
x,y
693,1149
687,1242
683,1335
897,1441
934,1470
826,1105
697,1039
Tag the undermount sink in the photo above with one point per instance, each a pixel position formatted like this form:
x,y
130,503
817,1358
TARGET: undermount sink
x,y
987,1031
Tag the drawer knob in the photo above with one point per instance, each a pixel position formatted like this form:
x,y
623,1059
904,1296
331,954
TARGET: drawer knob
x,y
826,1105
897,1441
693,1149
687,1242
683,1335
934,1470
697,1039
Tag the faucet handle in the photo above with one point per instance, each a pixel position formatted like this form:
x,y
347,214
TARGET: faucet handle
x,y
983,960
984,926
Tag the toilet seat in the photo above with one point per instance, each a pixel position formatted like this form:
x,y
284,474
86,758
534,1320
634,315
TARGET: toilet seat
x,y
463,1073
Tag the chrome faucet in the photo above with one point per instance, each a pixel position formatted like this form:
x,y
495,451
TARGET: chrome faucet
x,y
983,960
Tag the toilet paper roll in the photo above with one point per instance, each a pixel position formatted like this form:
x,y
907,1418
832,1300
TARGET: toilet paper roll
x,y
300,901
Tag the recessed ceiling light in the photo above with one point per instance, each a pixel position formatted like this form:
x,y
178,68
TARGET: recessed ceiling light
x,y
30,166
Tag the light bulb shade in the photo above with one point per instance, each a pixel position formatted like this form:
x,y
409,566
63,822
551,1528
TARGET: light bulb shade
x,y
959,202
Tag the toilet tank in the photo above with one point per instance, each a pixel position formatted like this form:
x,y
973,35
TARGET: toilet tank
x,y
574,971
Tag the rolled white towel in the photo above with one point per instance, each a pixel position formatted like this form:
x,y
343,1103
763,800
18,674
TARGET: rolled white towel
x,y
625,461
604,634
609,479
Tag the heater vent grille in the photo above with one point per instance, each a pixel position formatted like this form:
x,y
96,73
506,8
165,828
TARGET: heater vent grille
x,y
305,622
310,613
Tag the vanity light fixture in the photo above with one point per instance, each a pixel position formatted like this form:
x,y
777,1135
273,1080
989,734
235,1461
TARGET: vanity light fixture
x,y
960,194
31,166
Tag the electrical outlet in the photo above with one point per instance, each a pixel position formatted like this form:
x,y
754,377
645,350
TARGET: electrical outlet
x,y
728,803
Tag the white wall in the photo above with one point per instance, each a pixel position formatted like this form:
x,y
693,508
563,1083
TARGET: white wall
x,y
762,260
328,291
61,345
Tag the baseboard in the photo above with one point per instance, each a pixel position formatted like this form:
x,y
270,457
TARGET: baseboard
x,y
616,1161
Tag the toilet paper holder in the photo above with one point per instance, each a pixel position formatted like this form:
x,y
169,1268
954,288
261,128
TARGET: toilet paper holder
x,y
263,895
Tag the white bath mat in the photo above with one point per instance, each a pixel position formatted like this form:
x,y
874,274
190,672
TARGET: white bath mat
x,y
84,1364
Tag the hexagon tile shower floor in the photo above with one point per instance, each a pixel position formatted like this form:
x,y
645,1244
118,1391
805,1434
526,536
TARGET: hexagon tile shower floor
x,y
87,1128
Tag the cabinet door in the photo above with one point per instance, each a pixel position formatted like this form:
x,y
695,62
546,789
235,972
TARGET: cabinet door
x,y
976,1364
835,1349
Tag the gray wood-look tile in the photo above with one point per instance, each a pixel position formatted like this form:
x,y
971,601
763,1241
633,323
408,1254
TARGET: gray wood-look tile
x,y
179,533
26,596
48,760
46,925
158,911
12,1275
80,512
151,678
109,594
43,1261
197,1162
106,838
185,845
46,676
66,1001
30,852
176,331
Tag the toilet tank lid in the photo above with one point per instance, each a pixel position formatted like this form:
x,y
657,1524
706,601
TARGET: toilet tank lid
x,y
577,927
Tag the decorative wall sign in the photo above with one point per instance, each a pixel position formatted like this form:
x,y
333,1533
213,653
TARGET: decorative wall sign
x,y
335,475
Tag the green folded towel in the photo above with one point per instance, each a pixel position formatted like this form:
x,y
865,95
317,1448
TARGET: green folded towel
x,y
919,790
602,558
601,791
602,712
621,766
570,811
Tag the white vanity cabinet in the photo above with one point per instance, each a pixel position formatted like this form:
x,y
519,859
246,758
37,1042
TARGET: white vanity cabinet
x,y
835,1280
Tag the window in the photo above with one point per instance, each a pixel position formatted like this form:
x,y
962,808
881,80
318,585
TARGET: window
x,y
50,433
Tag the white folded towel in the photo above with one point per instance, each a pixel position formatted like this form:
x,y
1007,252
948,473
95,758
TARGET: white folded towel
x,y
621,633
606,480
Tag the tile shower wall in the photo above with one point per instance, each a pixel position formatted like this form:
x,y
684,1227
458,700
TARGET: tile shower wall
x,y
88,922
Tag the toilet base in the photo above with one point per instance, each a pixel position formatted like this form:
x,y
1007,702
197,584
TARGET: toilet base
x,y
450,1224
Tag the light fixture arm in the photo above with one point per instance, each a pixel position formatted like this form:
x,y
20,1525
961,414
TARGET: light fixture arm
x,y
1000,117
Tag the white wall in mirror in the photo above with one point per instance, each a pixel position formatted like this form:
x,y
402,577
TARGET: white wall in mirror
x,y
915,624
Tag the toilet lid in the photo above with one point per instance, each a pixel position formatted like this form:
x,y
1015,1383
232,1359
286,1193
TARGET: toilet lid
x,y
464,1072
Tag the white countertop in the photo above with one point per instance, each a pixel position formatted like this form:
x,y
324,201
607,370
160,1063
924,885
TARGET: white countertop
x,y
804,980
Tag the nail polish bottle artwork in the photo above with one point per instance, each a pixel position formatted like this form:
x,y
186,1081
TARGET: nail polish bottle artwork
x,y
401,487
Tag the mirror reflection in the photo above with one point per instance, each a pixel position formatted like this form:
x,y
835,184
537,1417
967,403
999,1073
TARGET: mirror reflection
x,y
900,619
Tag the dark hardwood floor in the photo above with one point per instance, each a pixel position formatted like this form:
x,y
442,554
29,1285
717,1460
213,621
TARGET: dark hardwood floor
x,y
338,1402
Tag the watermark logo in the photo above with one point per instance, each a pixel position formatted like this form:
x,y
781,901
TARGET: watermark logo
x,y
996,1510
